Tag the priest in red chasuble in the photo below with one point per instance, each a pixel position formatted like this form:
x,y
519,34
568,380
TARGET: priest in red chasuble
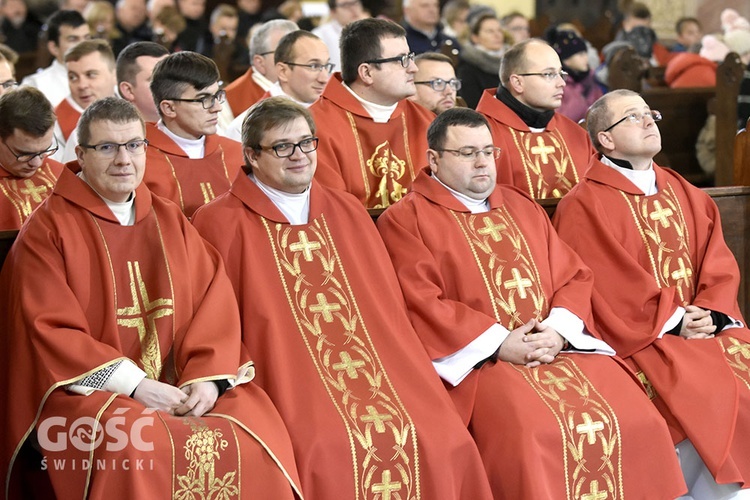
x,y
188,162
502,306
371,136
27,174
124,371
544,153
324,318
665,291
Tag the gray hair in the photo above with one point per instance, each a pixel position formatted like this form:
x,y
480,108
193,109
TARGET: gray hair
x,y
260,36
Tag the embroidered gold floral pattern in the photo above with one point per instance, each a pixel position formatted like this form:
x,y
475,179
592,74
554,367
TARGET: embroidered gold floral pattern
x,y
388,170
382,437
661,224
547,163
202,450
589,429
738,356
26,194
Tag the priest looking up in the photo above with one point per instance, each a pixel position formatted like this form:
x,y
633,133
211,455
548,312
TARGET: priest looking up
x,y
324,318
665,291
373,140
544,152
115,312
303,67
188,162
503,307
27,173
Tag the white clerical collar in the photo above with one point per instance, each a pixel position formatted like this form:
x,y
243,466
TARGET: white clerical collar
x,y
123,211
645,180
194,148
294,206
277,91
261,80
74,104
378,112
473,205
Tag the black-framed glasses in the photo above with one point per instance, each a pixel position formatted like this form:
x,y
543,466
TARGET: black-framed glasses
x,y
405,60
27,157
206,101
438,84
470,154
110,149
266,53
636,118
286,149
550,76
9,84
316,67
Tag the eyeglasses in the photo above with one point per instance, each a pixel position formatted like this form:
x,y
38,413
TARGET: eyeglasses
x,y
405,60
110,149
550,76
286,149
207,101
27,157
266,53
9,84
636,118
438,84
316,67
471,154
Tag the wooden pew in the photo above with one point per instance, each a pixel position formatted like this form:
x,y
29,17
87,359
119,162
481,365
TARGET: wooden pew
x,y
728,78
734,207
741,165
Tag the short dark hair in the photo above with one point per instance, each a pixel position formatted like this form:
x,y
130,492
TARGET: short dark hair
x,y
285,50
433,56
87,47
111,109
681,22
514,59
26,109
71,18
177,72
454,117
360,42
269,114
9,54
127,61
638,10
598,117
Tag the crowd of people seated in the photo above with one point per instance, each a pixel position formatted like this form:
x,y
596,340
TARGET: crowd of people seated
x,y
198,304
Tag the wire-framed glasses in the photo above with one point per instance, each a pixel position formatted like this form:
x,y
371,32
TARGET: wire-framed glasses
x,y
110,149
438,84
470,154
636,118
550,76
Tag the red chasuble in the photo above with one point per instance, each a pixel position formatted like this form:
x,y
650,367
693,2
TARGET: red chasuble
x,y
376,162
651,254
187,182
243,92
324,318
79,293
20,196
67,117
580,427
543,165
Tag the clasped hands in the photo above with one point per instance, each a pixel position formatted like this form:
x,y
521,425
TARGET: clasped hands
x,y
193,400
697,323
531,345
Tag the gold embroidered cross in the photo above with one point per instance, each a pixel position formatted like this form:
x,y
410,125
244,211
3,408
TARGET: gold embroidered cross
x,y
682,272
324,307
494,230
142,316
743,349
348,364
305,246
594,492
542,149
386,486
33,190
520,284
589,427
376,418
558,382
661,214
208,192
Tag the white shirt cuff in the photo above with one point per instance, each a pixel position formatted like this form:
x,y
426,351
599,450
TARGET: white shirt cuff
x,y
572,329
455,367
125,379
673,321
735,323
